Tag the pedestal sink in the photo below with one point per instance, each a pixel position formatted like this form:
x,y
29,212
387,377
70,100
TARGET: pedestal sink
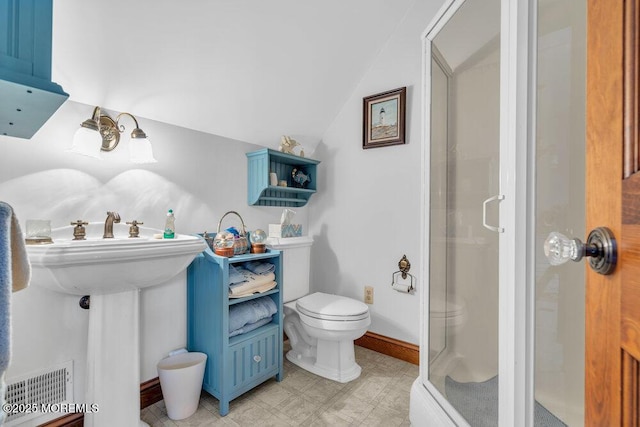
x,y
112,271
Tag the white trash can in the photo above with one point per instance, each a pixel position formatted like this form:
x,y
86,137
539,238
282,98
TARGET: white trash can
x,y
181,382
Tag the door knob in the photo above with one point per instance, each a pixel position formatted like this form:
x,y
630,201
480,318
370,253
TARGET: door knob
x,y
600,248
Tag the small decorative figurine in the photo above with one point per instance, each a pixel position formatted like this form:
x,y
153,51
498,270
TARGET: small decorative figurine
x,y
300,178
287,145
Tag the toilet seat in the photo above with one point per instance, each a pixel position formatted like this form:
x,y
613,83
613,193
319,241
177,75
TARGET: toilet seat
x,y
329,307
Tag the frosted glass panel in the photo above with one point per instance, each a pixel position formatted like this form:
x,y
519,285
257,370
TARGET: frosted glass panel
x,y
465,155
560,147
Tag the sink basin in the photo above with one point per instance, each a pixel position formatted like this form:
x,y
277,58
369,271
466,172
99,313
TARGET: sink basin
x,y
98,266
111,271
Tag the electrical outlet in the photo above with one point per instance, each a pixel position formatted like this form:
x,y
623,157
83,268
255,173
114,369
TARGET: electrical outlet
x,y
368,294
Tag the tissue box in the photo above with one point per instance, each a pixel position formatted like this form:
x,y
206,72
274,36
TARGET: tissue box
x,y
289,230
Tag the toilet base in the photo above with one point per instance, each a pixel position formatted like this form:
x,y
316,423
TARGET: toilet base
x,y
349,369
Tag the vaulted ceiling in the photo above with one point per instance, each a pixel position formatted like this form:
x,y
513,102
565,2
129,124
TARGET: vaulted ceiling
x,y
250,70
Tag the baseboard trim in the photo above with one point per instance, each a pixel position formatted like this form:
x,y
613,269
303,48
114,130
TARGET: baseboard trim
x,y
150,393
390,346
71,420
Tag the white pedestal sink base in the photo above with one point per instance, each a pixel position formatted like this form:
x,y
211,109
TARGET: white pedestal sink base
x,y
113,360
112,271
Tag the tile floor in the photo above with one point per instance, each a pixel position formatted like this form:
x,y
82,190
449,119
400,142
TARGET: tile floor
x,y
380,397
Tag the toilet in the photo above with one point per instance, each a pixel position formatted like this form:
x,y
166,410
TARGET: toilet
x,y
447,318
321,327
449,315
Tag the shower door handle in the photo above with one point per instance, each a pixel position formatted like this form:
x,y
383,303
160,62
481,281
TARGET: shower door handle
x,y
484,213
601,249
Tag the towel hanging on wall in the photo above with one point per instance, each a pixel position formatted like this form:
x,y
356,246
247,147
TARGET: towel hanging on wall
x,y
20,267
15,273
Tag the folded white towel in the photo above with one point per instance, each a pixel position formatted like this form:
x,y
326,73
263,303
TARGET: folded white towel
x,y
252,289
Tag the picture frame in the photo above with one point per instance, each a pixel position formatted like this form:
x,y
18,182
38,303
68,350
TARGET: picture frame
x,y
383,119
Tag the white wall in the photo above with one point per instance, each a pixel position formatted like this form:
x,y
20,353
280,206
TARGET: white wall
x,y
200,176
247,69
367,214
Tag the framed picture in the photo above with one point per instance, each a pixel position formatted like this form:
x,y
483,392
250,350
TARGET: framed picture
x,y
383,119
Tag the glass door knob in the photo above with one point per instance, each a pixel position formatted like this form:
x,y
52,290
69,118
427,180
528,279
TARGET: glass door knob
x,y
600,248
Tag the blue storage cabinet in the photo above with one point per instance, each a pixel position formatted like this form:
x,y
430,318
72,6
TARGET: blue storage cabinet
x,y
234,365
260,163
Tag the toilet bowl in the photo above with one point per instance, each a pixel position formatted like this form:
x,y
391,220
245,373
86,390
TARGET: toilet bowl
x,y
450,316
321,329
447,319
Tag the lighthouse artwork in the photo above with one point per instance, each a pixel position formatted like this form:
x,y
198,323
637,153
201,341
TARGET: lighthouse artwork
x,y
384,116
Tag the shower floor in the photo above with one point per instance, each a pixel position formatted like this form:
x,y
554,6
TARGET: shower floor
x,y
477,402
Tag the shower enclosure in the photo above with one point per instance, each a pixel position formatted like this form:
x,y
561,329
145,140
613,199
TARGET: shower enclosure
x,y
503,331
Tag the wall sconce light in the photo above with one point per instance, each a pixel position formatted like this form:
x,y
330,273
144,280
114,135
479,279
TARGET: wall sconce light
x,y
102,133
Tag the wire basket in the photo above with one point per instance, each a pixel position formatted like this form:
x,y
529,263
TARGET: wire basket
x,y
241,243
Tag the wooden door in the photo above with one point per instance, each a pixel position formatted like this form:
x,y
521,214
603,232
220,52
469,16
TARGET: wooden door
x,y
612,354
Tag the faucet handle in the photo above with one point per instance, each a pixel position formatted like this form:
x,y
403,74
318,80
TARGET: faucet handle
x,y
79,231
134,231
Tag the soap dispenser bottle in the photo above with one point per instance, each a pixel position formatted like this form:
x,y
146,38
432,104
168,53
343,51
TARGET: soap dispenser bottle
x,y
170,225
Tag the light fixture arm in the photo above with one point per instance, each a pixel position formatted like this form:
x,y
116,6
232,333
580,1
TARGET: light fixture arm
x,y
110,129
137,132
94,122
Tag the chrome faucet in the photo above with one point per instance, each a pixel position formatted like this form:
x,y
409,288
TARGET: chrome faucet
x,y
108,224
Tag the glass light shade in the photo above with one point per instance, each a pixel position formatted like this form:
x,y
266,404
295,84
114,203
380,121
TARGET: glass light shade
x,y
258,237
87,142
140,151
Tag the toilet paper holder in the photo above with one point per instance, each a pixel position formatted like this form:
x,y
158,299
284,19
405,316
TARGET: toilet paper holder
x,y
404,266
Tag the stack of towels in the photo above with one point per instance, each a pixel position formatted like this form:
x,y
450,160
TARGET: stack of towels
x,y
249,315
250,278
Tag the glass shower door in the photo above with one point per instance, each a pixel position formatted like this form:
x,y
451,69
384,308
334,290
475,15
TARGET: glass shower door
x,y
464,171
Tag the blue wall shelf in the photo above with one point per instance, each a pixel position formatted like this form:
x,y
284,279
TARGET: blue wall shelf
x,y
260,163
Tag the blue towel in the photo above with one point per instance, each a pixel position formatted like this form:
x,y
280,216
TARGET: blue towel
x,y
258,267
5,296
246,271
250,312
15,273
251,326
235,275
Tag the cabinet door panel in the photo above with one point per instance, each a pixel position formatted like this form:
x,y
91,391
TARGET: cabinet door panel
x,y
252,361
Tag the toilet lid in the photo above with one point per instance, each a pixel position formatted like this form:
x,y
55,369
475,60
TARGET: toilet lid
x,y
332,307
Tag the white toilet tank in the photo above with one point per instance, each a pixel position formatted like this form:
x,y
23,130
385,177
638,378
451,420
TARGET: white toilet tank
x,y
296,264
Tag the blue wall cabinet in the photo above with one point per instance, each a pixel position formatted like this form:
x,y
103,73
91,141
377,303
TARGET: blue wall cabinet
x,y
29,97
235,364
265,161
